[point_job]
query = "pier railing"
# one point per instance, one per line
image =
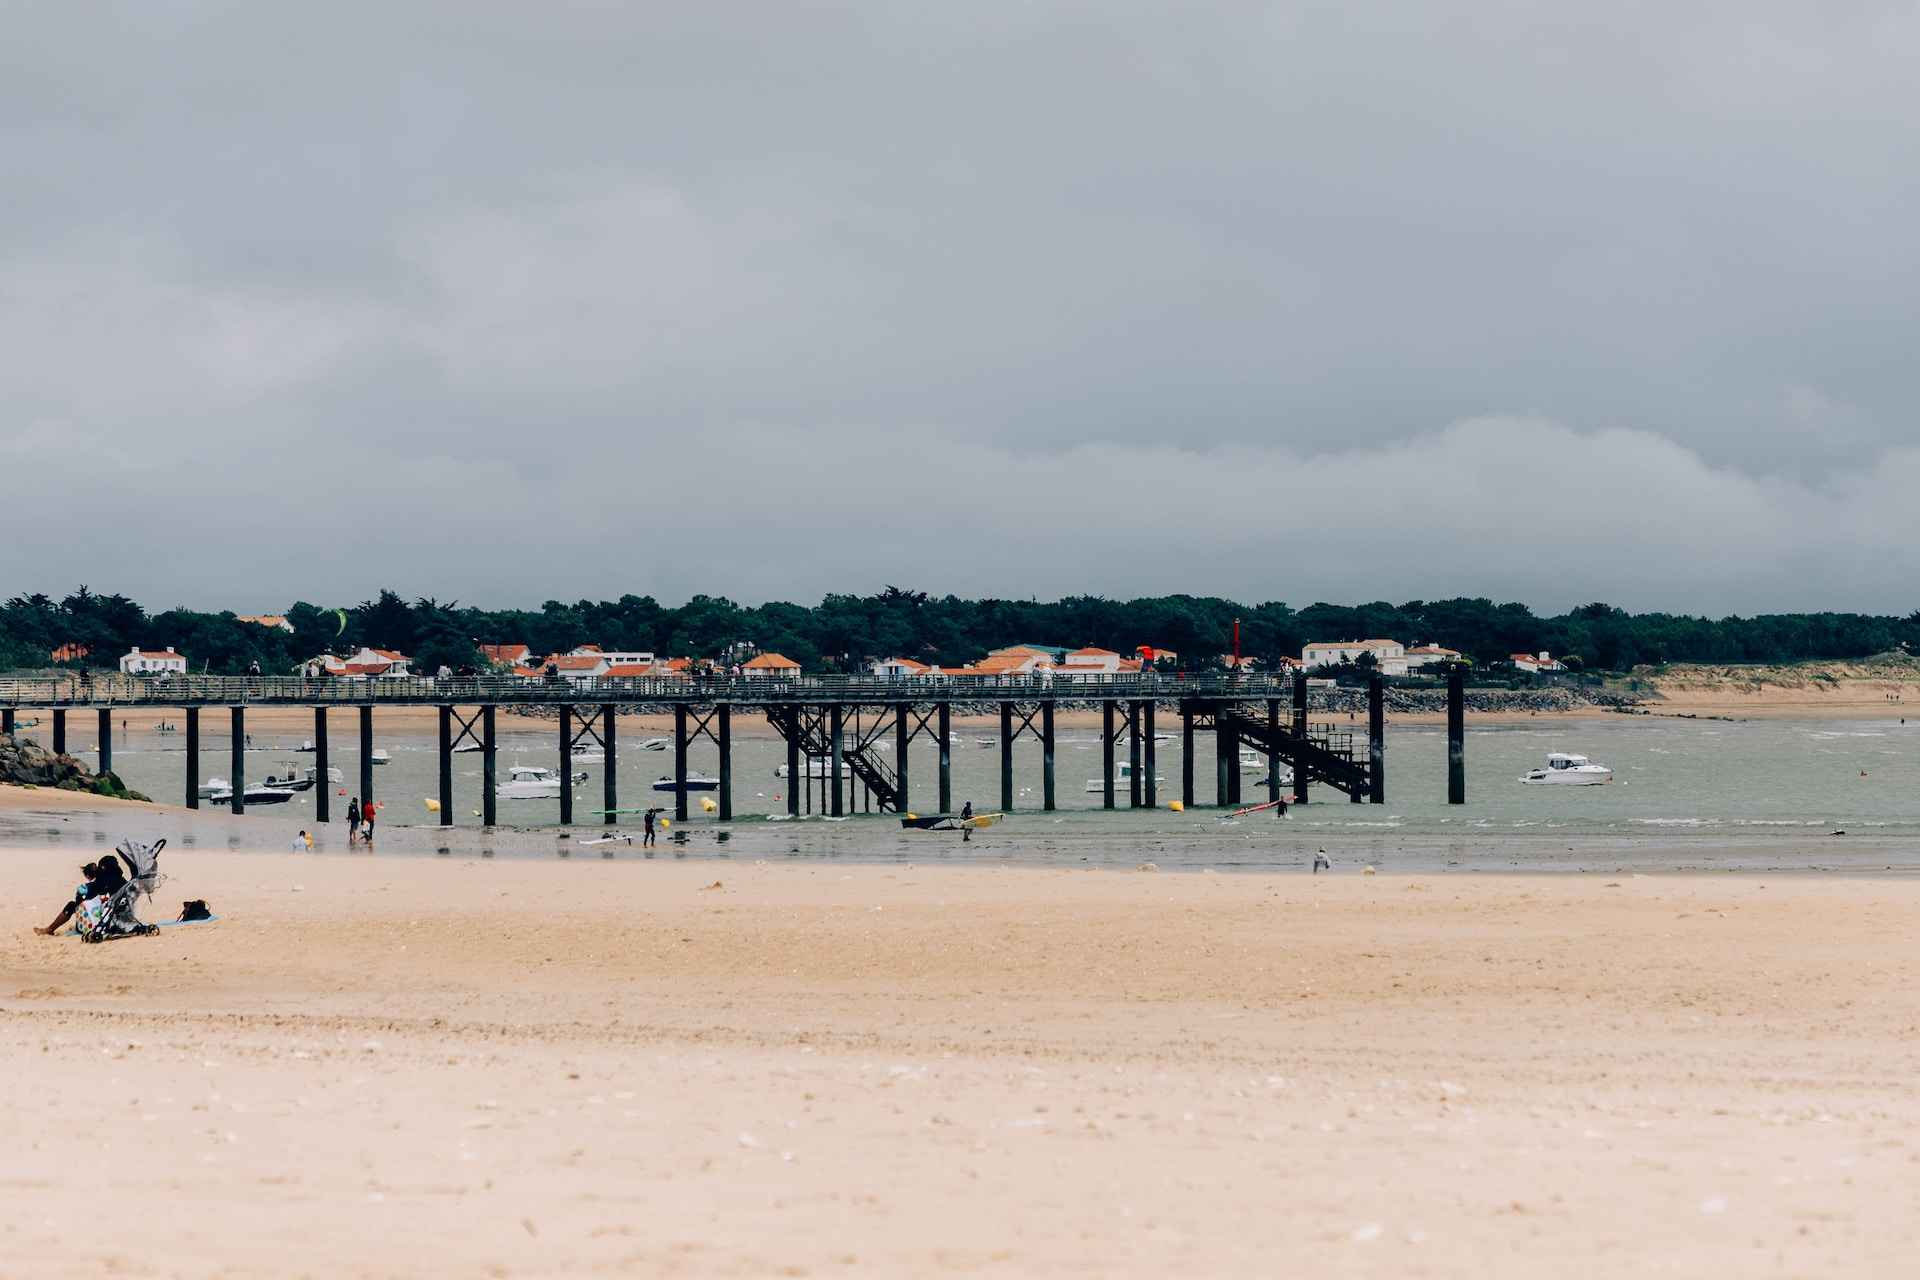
(202, 690)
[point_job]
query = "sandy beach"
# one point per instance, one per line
(388, 1066)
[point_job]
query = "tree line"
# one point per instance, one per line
(845, 632)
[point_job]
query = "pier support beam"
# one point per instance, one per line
(59, 731)
(1456, 736)
(566, 765)
(1006, 757)
(901, 738)
(1149, 785)
(1300, 732)
(837, 723)
(1106, 755)
(6, 722)
(446, 766)
(366, 756)
(724, 713)
(322, 786)
(679, 762)
(237, 750)
(1046, 757)
(193, 757)
(610, 784)
(1133, 756)
(945, 721)
(489, 767)
(1186, 755)
(1376, 741)
(106, 740)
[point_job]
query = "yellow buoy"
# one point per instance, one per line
(1176, 806)
(665, 823)
(707, 804)
(433, 806)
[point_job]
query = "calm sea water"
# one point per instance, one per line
(1687, 794)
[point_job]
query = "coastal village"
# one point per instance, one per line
(590, 662)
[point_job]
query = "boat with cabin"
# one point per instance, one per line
(1122, 780)
(1569, 771)
(532, 782)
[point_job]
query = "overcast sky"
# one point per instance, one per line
(509, 302)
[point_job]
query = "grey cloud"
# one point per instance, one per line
(502, 302)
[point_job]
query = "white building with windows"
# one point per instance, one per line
(1427, 655)
(1389, 656)
(152, 662)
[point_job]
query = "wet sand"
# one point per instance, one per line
(474, 1067)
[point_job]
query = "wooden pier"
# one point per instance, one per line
(835, 727)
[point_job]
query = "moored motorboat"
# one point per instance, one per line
(1569, 771)
(530, 782)
(254, 795)
(695, 782)
(380, 756)
(816, 767)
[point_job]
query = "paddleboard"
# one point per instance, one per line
(1253, 808)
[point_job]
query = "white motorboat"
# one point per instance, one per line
(1122, 780)
(293, 781)
(215, 786)
(695, 782)
(986, 742)
(306, 747)
(333, 774)
(466, 746)
(1570, 771)
(816, 767)
(654, 744)
(584, 753)
(254, 795)
(530, 782)
(380, 756)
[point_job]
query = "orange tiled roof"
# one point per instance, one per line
(770, 662)
(1092, 652)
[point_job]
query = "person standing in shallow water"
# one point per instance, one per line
(353, 821)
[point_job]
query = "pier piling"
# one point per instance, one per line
(193, 757)
(1186, 755)
(1456, 736)
(902, 738)
(366, 756)
(1223, 762)
(1046, 757)
(1273, 756)
(322, 782)
(724, 713)
(446, 766)
(489, 767)
(566, 765)
(59, 731)
(679, 762)
(796, 775)
(610, 783)
(944, 719)
(237, 750)
(106, 740)
(837, 726)
(1376, 740)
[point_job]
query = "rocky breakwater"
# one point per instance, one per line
(26, 763)
(1496, 701)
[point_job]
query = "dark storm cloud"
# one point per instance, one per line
(507, 302)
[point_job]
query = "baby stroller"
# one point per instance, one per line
(112, 916)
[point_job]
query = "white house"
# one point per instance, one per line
(1390, 656)
(1543, 661)
(622, 658)
(898, 668)
(1427, 655)
(1090, 662)
(148, 662)
(770, 666)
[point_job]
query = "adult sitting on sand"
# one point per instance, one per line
(102, 877)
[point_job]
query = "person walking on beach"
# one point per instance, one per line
(646, 839)
(966, 823)
(367, 812)
(353, 821)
